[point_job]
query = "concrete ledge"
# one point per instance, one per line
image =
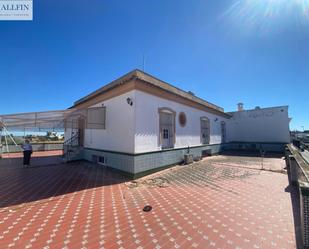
(304, 188)
(299, 172)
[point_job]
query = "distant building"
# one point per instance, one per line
(303, 136)
(267, 126)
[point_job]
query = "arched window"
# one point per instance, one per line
(167, 127)
(205, 130)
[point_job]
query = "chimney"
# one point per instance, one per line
(191, 93)
(240, 107)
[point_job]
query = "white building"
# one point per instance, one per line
(139, 123)
(260, 128)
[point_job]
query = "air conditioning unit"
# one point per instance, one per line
(188, 159)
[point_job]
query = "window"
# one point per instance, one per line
(165, 134)
(205, 130)
(96, 118)
(223, 132)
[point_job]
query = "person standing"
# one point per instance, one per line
(27, 147)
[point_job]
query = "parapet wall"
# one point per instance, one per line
(35, 147)
(299, 176)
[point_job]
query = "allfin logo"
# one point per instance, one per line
(16, 10)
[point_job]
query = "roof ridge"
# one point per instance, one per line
(150, 79)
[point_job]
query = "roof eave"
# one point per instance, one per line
(138, 74)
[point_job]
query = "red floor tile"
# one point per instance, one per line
(221, 202)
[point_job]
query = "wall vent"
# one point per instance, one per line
(99, 159)
(102, 160)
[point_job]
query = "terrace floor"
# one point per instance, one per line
(219, 202)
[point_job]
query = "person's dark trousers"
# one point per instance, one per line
(27, 156)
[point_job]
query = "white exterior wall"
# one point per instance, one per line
(147, 123)
(260, 125)
(118, 134)
(135, 129)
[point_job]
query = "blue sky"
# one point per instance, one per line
(225, 51)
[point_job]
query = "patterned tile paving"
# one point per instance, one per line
(220, 202)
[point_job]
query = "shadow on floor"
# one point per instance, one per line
(23, 185)
(294, 192)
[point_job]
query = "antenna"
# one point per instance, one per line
(143, 62)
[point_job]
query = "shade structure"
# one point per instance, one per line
(39, 121)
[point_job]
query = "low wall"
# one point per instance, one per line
(137, 165)
(257, 146)
(299, 176)
(148, 162)
(35, 147)
(140, 164)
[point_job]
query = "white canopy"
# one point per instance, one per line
(36, 121)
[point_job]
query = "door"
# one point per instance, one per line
(205, 130)
(167, 130)
(81, 131)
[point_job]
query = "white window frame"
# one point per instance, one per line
(202, 129)
(167, 110)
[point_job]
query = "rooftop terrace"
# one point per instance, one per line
(220, 202)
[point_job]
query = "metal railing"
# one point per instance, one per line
(70, 146)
